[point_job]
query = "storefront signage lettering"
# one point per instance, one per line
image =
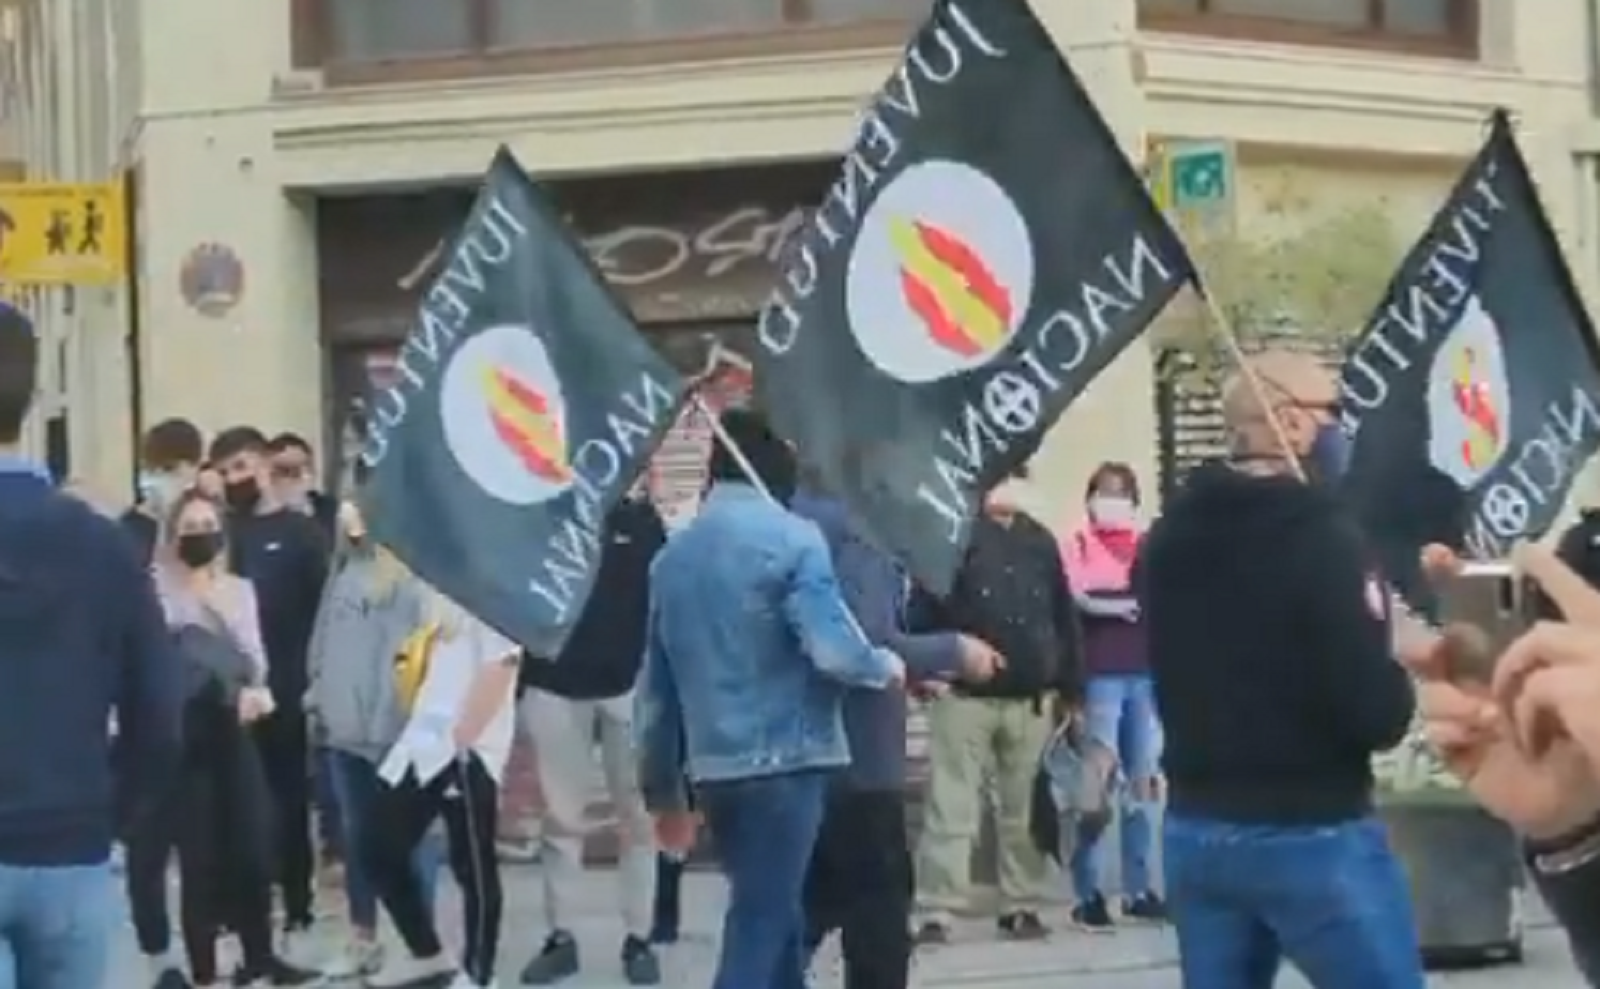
(639, 255)
(673, 272)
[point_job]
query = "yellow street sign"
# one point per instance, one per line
(60, 234)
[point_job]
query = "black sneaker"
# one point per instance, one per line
(1147, 908)
(1023, 925)
(275, 972)
(1093, 916)
(932, 933)
(557, 960)
(639, 963)
(172, 979)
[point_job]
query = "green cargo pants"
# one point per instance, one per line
(971, 741)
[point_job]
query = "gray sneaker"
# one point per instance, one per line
(639, 963)
(557, 960)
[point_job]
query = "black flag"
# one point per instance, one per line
(986, 251)
(1473, 396)
(525, 405)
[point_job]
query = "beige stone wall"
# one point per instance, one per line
(235, 145)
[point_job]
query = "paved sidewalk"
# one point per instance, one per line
(1133, 958)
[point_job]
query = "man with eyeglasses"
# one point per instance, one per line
(1271, 652)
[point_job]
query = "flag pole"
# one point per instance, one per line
(1224, 329)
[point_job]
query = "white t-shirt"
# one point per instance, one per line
(426, 745)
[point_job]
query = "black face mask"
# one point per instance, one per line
(199, 549)
(242, 495)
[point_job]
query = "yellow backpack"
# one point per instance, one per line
(411, 664)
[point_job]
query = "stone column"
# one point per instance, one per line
(1115, 418)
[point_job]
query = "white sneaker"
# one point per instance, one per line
(359, 958)
(463, 981)
(299, 947)
(400, 969)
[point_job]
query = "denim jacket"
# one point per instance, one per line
(749, 651)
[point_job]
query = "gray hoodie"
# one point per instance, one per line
(358, 633)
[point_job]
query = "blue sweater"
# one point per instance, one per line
(876, 590)
(81, 637)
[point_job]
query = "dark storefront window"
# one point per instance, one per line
(1423, 26)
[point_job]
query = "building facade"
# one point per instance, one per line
(297, 162)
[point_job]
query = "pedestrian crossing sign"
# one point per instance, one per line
(55, 233)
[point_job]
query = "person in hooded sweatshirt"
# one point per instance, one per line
(860, 880)
(372, 606)
(1269, 643)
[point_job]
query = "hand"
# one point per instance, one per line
(254, 704)
(676, 831)
(1542, 796)
(979, 660)
(1440, 561)
(897, 669)
(1570, 649)
(1521, 741)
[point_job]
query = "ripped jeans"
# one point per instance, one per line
(1121, 715)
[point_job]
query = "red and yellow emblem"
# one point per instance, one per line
(525, 422)
(1474, 400)
(950, 288)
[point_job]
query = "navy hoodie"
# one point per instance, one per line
(81, 637)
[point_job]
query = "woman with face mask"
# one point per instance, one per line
(371, 607)
(1120, 706)
(212, 814)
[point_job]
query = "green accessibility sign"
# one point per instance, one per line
(1200, 175)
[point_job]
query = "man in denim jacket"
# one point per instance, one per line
(749, 651)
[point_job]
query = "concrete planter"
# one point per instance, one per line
(1466, 877)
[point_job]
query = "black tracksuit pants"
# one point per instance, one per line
(860, 884)
(466, 796)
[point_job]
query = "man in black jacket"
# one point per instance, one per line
(1269, 645)
(282, 551)
(583, 695)
(1011, 593)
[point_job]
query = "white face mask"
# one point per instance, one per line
(160, 488)
(1113, 512)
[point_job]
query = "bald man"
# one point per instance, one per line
(1270, 650)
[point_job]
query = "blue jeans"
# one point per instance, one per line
(353, 781)
(1330, 899)
(764, 830)
(1121, 714)
(55, 926)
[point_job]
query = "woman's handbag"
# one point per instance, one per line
(1074, 791)
(411, 664)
